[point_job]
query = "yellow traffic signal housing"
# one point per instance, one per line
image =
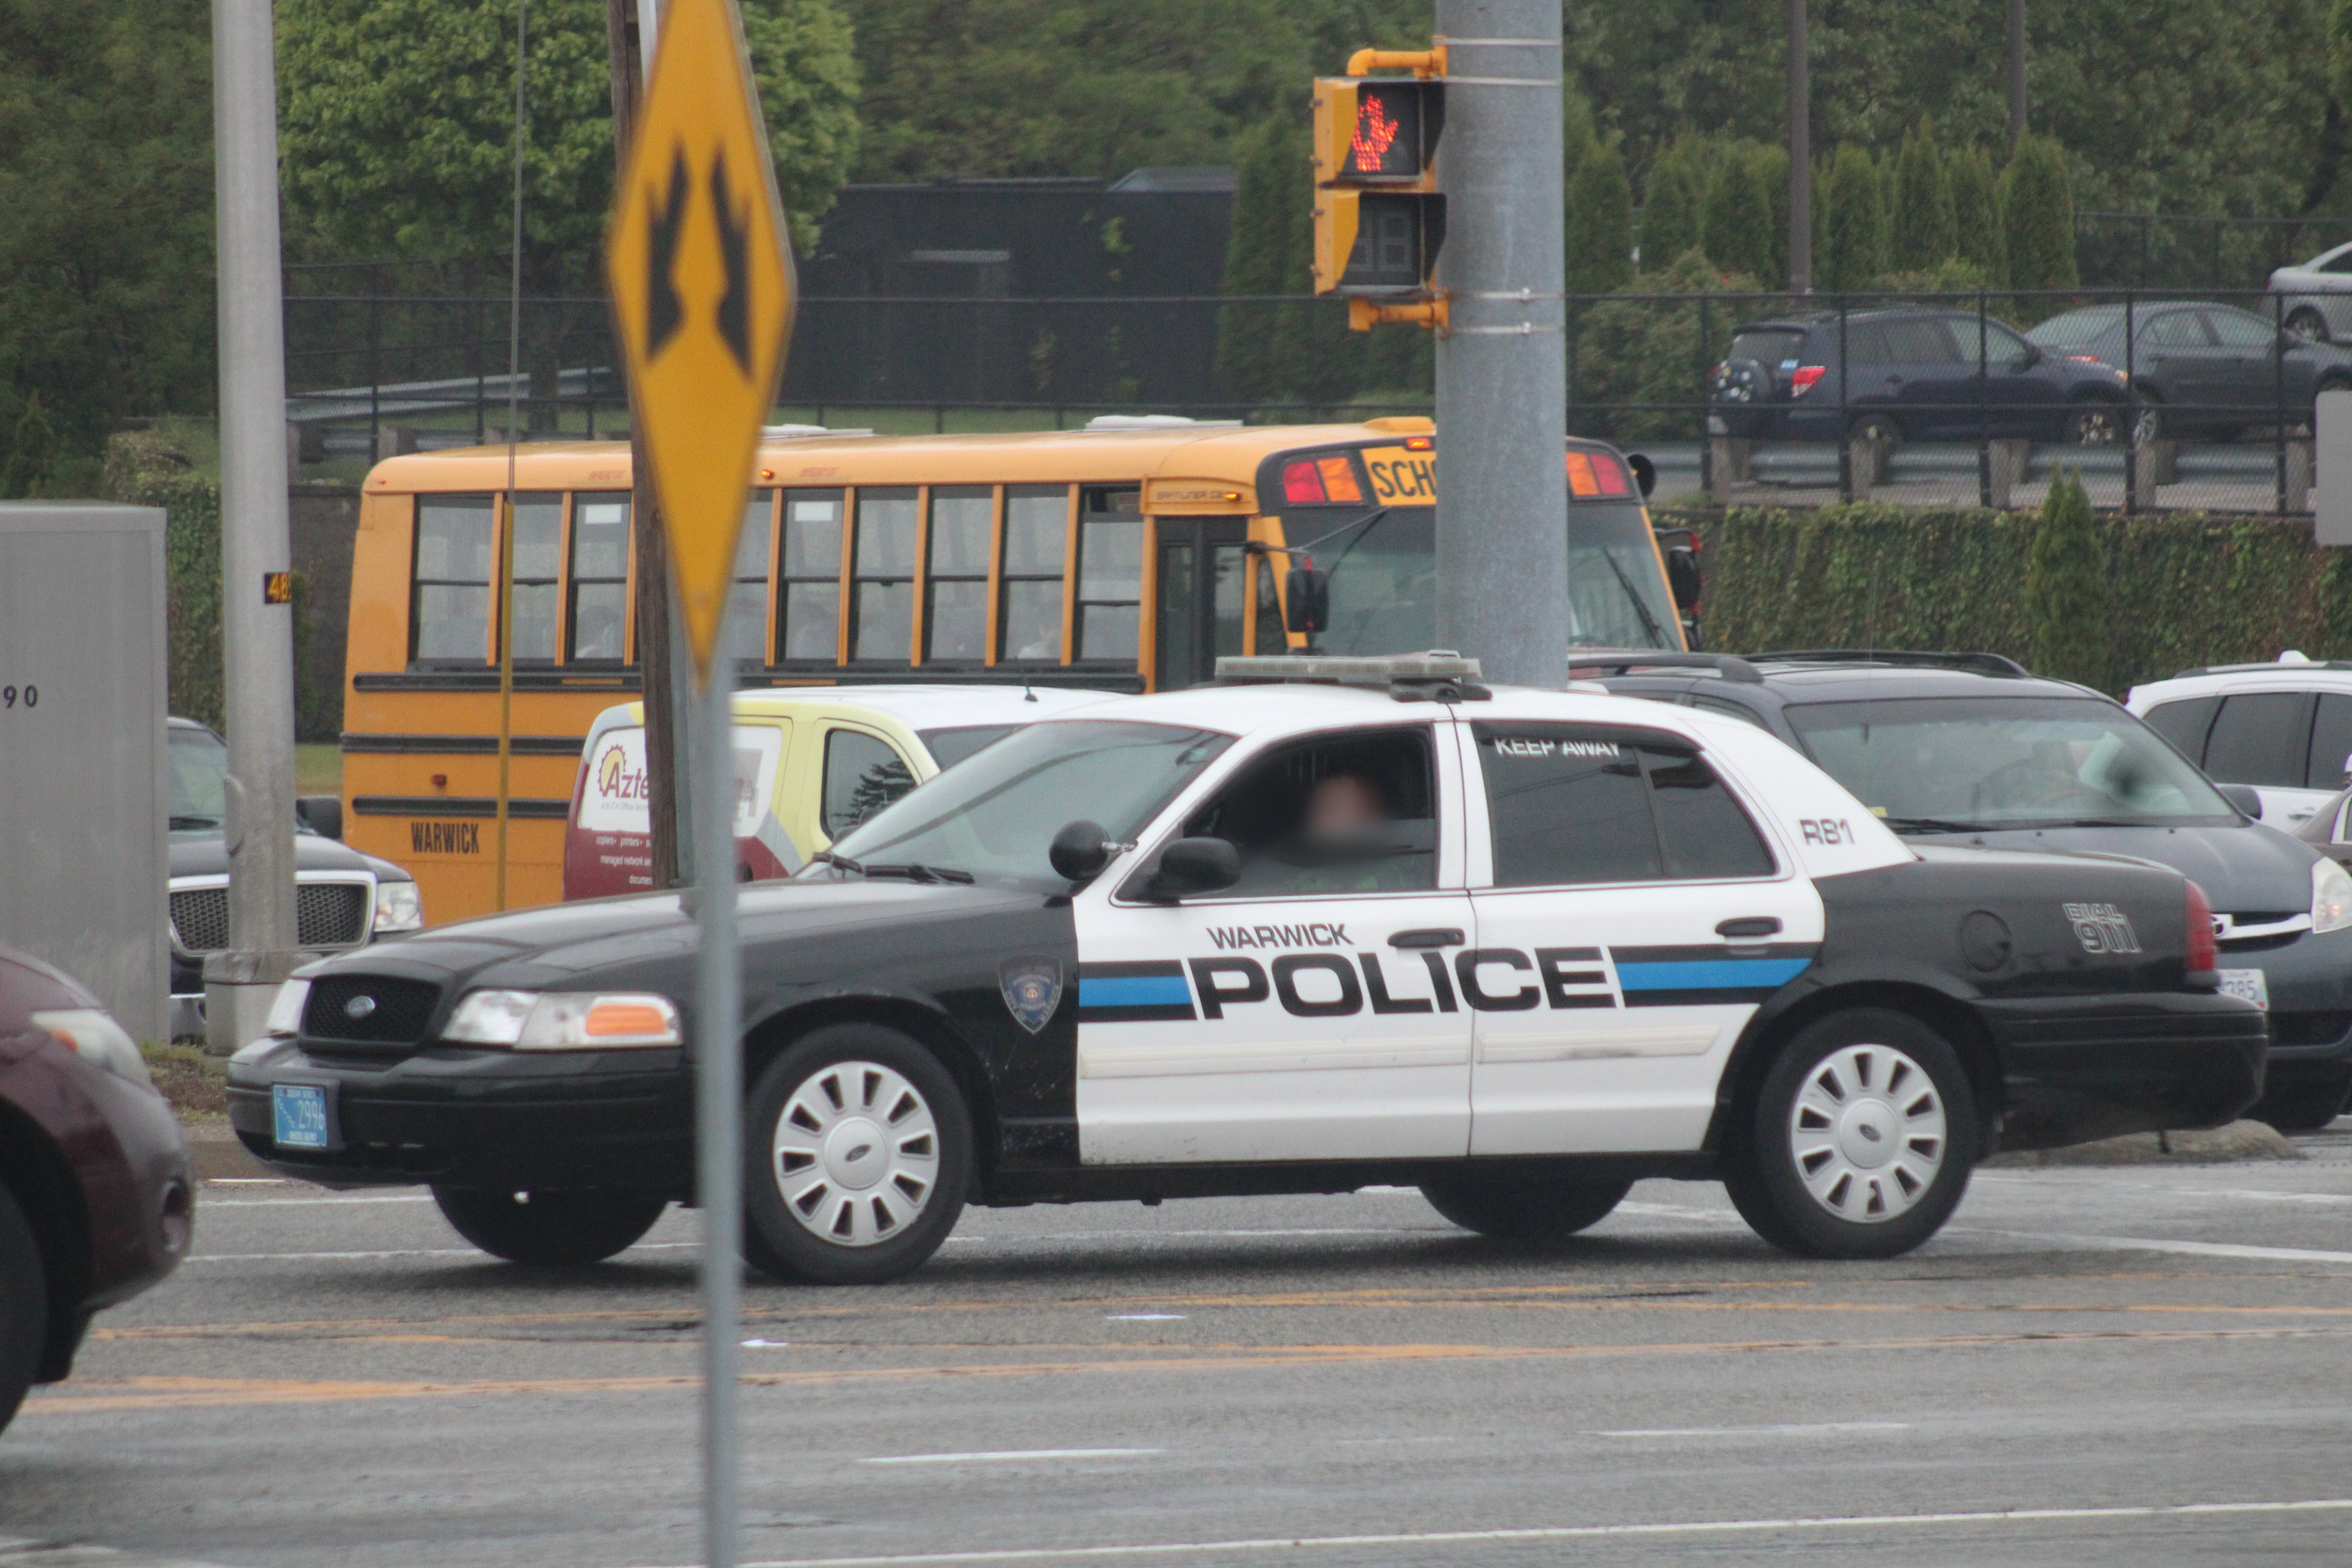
(1378, 219)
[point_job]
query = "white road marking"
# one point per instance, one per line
(399, 1252)
(1565, 1532)
(1683, 1211)
(1785, 1429)
(992, 1456)
(2184, 1248)
(767, 1344)
(1143, 1317)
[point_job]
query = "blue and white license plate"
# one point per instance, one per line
(300, 1114)
(2248, 983)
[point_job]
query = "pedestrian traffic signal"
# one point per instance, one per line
(1379, 218)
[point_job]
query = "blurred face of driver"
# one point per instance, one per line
(1342, 802)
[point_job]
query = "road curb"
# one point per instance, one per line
(217, 1154)
(2220, 1145)
(19, 1551)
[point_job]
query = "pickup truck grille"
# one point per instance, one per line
(325, 914)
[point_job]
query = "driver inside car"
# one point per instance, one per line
(1325, 819)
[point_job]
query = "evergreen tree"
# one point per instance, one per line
(1670, 202)
(1923, 236)
(1771, 165)
(2067, 589)
(1976, 211)
(2037, 216)
(1268, 184)
(1600, 223)
(32, 454)
(1849, 233)
(1737, 233)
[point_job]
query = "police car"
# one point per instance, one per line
(1365, 922)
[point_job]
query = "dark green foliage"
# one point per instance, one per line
(1600, 215)
(31, 458)
(2203, 590)
(2037, 216)
(2066, 588)
(1923, 233)
(1671, 201)
(1771, 165)
(1634, 349)
(105, 219)
(1737, 236)
(1976, 211)
(1849, 223)
(1271, 181)
(140, 468)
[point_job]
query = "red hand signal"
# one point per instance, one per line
(1375, 131)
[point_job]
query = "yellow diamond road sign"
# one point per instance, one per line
(702, 293)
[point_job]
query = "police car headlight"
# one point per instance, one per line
(286, 1012)
(2331, 896)
(98, 1040)
(398, 907)
(565, 1020)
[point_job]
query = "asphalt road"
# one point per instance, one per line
(2151, 1361)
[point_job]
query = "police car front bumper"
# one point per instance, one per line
(2083, 1068)
(462, 1117)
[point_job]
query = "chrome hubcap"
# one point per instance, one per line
(1867, 1133)
(855, 1153)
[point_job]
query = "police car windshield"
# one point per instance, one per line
(1965, 764)
(995, 815)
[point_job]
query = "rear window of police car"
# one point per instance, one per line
(1582, 802)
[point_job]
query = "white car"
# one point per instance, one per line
(2318, 296)
(2285, 729)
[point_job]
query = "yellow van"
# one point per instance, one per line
(811, 762)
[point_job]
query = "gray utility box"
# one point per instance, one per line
(83, 787)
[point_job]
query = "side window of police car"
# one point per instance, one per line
(1352, 813)
(862, 775)
(1573, 803)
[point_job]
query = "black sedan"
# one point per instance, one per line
(2209, 370)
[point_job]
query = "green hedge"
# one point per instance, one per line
(2183, 588)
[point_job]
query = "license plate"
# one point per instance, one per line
(301, 1115)
(2248, 983)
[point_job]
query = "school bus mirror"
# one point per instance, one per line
(1307, 600)
(1684, 576)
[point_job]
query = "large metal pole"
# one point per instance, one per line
(2016, 71)
(1800, 154)
(256, 636)
(718, 1105)
(1502, 372)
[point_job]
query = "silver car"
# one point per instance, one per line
(2318, 296)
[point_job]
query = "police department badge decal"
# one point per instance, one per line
(1033, 989)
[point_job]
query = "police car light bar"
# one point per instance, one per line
(1441, 674)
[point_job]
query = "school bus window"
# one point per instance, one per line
(884, 580)
(1110, 572)
(449, 618)
(747, 603)
(955, 618)
(808, 600)
(538, 552)
(600, 577)
(1036, 537)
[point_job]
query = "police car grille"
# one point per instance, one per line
(331, 914)
(200, 919)
(401, 1010)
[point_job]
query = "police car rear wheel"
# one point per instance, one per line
(549, 1230)
(1859, 1141)
(1515, 1206)
(859, 1147)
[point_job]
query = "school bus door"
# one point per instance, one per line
(1204, 602)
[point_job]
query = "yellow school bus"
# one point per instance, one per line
(1123, 556)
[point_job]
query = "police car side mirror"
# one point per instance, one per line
(1080, 850)
(1195, 866)
(1307, 601)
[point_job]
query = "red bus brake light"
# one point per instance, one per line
(1302, 484)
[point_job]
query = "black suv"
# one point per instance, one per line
(1907, 374)
(1971, 749)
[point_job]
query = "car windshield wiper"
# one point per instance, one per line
(192, 824)
(827, 858)
(915, 873)
(1934, 825)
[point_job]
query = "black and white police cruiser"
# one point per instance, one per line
(1330, 924)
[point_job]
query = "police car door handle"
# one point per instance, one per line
(1435, 936)
(1751, 926)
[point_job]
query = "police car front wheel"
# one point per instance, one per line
(858, 1145)
(1859, 1140)
(550, 1229)
(1520, 1205)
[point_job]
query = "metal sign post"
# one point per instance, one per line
(702, 298)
